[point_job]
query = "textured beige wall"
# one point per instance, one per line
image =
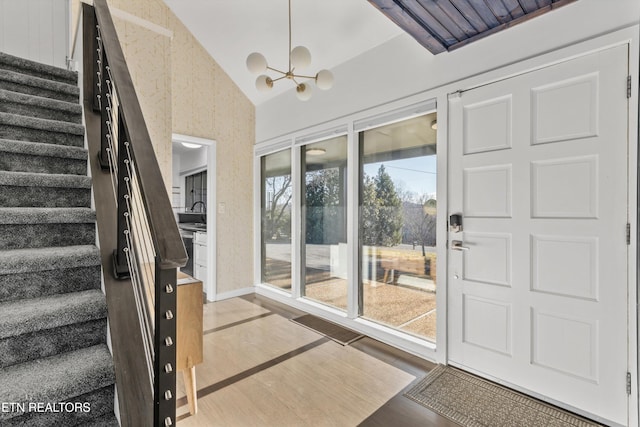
(148, 56)
(183, 90)
(206, 103)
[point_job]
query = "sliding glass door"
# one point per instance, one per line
(362, 208)
(398, 225)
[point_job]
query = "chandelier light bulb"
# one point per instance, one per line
(256, 63)
(324, 79)
(300, 57)
(303, 92)
(264, 83)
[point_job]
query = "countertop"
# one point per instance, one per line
(193, 226)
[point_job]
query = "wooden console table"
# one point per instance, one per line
(189, 334)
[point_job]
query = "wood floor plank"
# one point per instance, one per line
(262, 370)
(229, 311)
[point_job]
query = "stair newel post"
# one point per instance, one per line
(120, 266)
(164, 346)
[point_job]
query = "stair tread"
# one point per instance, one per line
(27, 179)
(38, 67)
(57, 378)
(29, 315)
(37, 82)
(108, 420)
(48, 125)
(43, 259)
(42, 149)
(39, 101)
(46, 215)
(53, 313)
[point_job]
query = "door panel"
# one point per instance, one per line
(487, 191)
(487, 324)
(538, 291)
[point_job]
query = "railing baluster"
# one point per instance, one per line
(97, 58)
(103, 91)
(146, 230)
(120, 268)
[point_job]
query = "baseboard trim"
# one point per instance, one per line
(232, 294)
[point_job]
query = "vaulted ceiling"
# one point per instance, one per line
(444, 25)
(336, 31)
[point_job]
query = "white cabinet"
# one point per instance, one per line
(200, 256)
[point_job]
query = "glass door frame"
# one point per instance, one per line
(352, 316)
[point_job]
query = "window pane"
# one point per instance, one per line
(276, 219)
(196, 191)
(398, 225)
(189, 191)
(324, 166)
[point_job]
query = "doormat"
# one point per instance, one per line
(475, 402)
(330, 330)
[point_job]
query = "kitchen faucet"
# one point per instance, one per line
(204, 206)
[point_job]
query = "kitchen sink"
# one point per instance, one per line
(189, 217)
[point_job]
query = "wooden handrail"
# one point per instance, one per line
(164, 230)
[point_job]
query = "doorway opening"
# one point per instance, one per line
(193, 199)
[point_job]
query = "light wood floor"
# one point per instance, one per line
(260, 369)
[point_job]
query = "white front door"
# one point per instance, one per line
(538, 293)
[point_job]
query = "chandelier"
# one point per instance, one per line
(299, 58)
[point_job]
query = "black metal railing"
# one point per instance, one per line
(149, 248)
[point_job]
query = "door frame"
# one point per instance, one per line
(628, 37)
(211, 287)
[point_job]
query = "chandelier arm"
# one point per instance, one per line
(279, 78)
(303, 77)
(276, 70)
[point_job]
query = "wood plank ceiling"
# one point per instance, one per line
(445, 25)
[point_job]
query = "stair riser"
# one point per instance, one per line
(49, 342)
(40, 112)
(58, 77)
(21, 236)
(19, 133)
(44, 197)
(44, 283)
(38, 91)
(100, 403)
(18, 162)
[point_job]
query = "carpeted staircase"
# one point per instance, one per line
(53, 314)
